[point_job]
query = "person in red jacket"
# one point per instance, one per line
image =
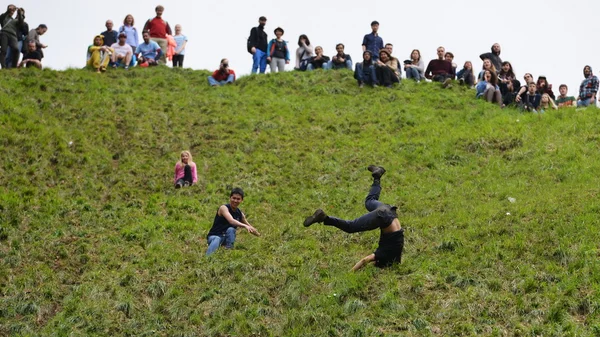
(159, 29)
(223, 75)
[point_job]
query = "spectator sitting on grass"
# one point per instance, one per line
(185, 171)
(414, 67)
(588, 88)
(99, 55)
(508, 82)
(439, 70)
(223, 75)
(563, 100)
(465, 75)
(543, 87)
(340, 60)
(319, 60)
(150, 52)
(278, 54)
(488, 88)
(35, 34)
(530, 100)
(364, 71)
(487, 65)
(123, 54)
(32, 58)
(450, 58)
(110, 36)
(546, 102)
(228, 218)
(386, 69)
(390, 48)
(528, 78)
(304, 53)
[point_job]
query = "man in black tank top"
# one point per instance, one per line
(228, 218)
(382, 216)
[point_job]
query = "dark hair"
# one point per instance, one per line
(340, 44)
(510, 71)
(238, 191)
(415, 50)
(494, 77)
(374, 23)
(42, 26)
(449, 53)
(563, 85)
(262, 18)
(159, 7)
(278, 29)
(305, 37)
(388, 44)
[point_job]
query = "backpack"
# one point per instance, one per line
(249, 43)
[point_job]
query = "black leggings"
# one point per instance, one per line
(178, 61)
(386, 76)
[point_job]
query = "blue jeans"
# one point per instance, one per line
(226, 239)
(347, 65)
(311, 67)
(213, 82)
(259, 59)
(365, 75)
(9, 56)
(585, 102)
(380, 215)
(413, 72)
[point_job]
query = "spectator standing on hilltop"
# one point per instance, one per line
(8, 34)
(563, 100)
(465, 75)
(381, 216)
(439, 70)
(493, 56)
(99, 54)
(414, 66)
(228, 218)
(365, 71)
(123, 54)
(588, 88)
(110, 36)
(158, 29)
(340, 60)
(304, 53)
(257, 46)
(278, 52)
(185, 171)
(372, 41)
(32, 58)
(22, 43)
(223, 75)
(130, 31)
(319, 60)
(543, 87)
(180, 49)
(150, 52)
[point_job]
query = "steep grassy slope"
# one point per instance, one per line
(95, 241)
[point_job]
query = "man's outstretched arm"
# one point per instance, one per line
(365, 260)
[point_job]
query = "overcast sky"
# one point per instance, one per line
(552, 38)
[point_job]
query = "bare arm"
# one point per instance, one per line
(224, 212)
(365, 260)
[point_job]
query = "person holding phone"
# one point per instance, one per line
(223, 75)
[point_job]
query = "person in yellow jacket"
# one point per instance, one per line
(99, 54)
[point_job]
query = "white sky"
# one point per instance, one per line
(552, 38)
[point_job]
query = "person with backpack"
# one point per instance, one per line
(159, 29)
(279, 54)
(257, 46)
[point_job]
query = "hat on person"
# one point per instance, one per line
(541, 76)
(122, 34)
(375, 23)
(278, 29)
(385, 51)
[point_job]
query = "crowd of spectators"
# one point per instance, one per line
(16, 38)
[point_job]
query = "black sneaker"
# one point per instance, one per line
(461, 81)
(318, 216)
(178, 185)
(376, 171)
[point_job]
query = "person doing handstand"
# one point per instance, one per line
(382, 216)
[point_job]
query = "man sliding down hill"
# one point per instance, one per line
(382, 216)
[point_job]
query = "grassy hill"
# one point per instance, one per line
(500, 208)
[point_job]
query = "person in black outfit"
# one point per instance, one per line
(257, 46)
(227, 219)
(32, 58)
(382, 216)
(11, 28)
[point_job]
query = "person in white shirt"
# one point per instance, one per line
(123, 52)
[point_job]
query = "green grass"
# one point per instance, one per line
(95, 241)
